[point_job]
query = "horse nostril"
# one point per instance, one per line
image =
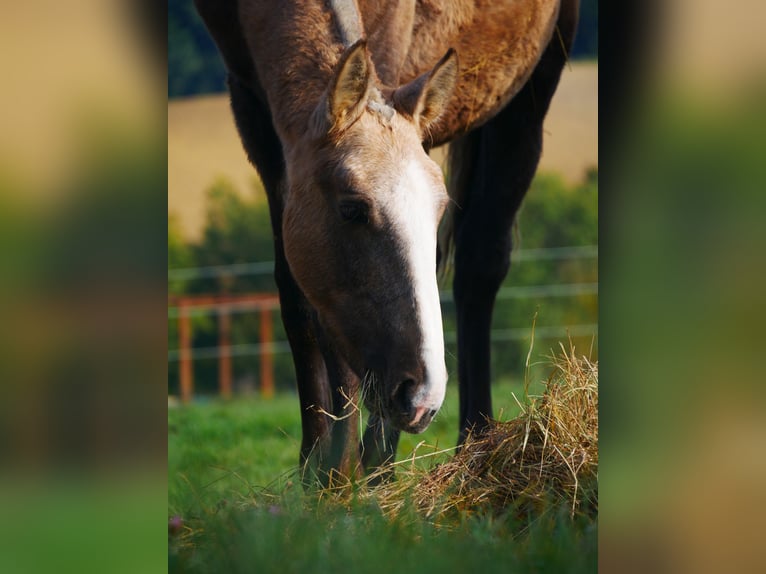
(432, 413)
(403, 394)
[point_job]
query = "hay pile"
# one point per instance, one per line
(549, 453)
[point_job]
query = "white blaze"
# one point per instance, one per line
(415, 212)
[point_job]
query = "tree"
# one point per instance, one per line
(194, 65)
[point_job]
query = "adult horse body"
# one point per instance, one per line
(337, 103)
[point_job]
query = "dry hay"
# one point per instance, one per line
(549, 453)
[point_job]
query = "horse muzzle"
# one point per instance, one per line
(413, 405)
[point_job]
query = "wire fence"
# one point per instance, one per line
(497, 335)
(267, 267)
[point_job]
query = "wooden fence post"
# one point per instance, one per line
(267, 353)
(224, 360)
(185, 339)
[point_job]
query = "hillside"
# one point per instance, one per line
(203, 143)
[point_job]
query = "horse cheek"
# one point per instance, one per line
(305, 245)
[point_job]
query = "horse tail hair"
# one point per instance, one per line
(461, 162)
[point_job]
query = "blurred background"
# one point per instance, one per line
(682, 277)
(87, 343)
(82, 290)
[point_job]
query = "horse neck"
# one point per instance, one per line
(295, 49)
(498, 46)
(397, 29)
(388, 27)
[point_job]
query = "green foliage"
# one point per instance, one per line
(194, 66)
(552, 215)
(237, 230)
(687, 262)
(179, 254)
(555, 215)
(586, 39)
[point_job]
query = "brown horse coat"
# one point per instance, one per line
(315, 109)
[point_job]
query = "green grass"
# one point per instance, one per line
(233, 480)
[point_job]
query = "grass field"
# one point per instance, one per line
(233, 483)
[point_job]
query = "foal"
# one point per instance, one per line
(337, 104)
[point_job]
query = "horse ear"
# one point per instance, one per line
(425, 98)
(349, 87)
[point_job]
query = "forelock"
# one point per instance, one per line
(378, 106)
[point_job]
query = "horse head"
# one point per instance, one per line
(362, 208)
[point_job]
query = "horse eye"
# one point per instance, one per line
(354, 211)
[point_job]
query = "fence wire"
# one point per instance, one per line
(450, 337)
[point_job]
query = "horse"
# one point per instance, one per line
(337, 104)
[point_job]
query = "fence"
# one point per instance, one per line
(187, 306)
(183, 308)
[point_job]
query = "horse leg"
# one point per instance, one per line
(264, 151)
(310, 371)
(492, 168)
(380, 439)
(482, 247)
(342, 460)
(379, 448)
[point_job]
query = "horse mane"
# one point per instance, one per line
(348, 19)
